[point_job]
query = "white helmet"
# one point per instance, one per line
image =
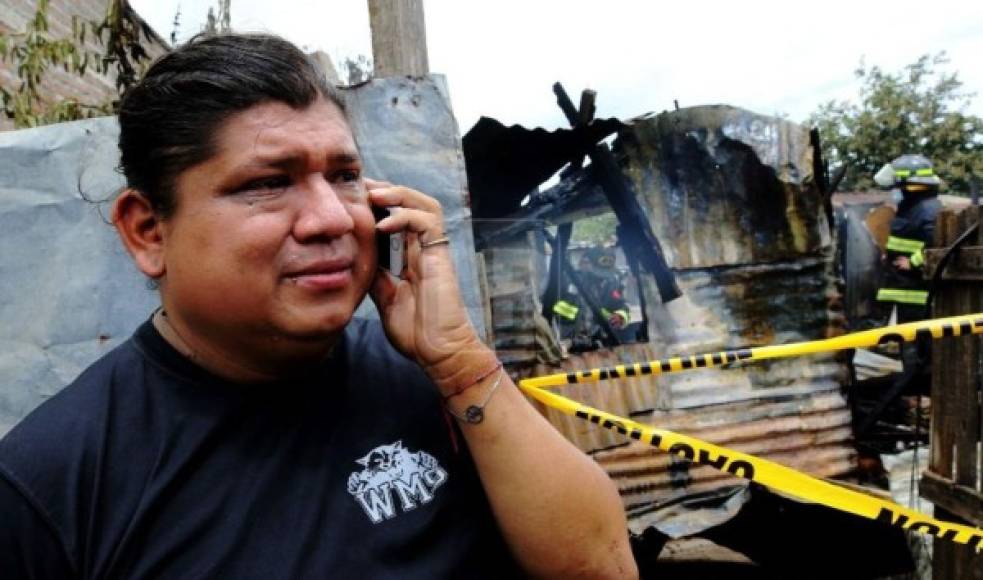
(910, 173)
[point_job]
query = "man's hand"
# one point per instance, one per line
(531, 474)
(422, 311)
(902, 263)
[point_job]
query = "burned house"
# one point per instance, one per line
(725, 233)
(740, 215)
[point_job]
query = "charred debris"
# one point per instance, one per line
(724, 239)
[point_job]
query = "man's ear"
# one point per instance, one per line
(141, 230)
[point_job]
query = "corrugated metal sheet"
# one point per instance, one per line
(732, 198)
(725, 187)
(803, 424)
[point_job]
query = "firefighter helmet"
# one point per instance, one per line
(910, 173)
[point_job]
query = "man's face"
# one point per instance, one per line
(272, 237)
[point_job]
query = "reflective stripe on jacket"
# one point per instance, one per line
(903, 296)
(904, 245)
(566, 310)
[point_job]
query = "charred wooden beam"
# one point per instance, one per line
(554, 283)
(587, 107)
(641, 239)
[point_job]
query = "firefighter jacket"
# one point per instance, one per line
(912, 230)
(573, 312)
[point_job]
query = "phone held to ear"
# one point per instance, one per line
(389, 246)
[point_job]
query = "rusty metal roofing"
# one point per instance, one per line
(732, 198)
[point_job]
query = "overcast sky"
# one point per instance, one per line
(501, 58)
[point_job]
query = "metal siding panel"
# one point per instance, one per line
(732, 198)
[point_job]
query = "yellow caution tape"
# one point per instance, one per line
(936, 328)
(763, 471)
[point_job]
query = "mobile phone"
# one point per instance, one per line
(389, 246)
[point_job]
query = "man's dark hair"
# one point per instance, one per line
(169, 119)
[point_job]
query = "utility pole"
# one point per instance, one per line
(399, 38)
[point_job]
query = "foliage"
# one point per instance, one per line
(120, 34)
(33, 51)
(598, 230)
(917, 110)
(176, 25)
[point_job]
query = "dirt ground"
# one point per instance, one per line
(699, 559)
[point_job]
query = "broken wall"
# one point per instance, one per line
(732, 197)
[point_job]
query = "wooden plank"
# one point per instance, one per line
(587, 107)
(976, 342)
(962, 501)
(966, 264)
(399, 38)
(943, 558)
(956, 425)
(942, 436)
(968, 409)
(974, 215)
(952, 561)
(966, 354)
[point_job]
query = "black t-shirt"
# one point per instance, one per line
(149, 467)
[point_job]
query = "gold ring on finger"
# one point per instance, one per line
(437, 242)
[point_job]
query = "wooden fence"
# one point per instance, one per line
(952, 481)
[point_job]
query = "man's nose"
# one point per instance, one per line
(323, 212)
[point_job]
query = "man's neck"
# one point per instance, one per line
(233, 362)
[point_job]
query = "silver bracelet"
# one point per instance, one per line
(475, 414)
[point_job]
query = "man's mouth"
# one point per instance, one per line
(323, 275)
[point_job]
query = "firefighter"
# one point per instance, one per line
(912, 230)
(597, 273)
(903, 287)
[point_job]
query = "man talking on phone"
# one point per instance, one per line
(252, 428)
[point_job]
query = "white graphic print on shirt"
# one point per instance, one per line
(393, 473)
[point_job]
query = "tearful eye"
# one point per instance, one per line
(265, 184)
(346, 176)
